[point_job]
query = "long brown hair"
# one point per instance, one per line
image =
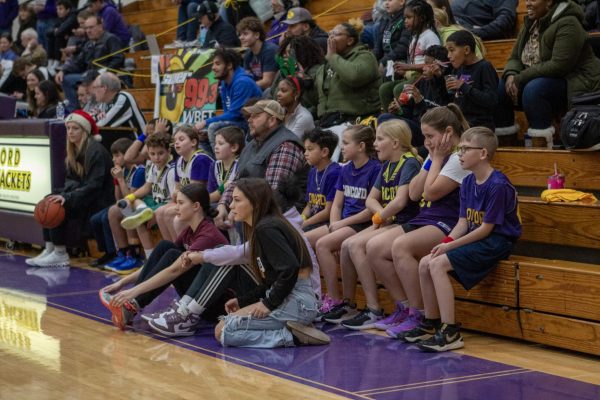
(260, 195)
(439, 118)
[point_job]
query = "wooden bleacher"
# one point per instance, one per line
(537, 295)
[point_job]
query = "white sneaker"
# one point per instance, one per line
(54, 259)
(33, 261)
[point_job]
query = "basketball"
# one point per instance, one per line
(49, 214)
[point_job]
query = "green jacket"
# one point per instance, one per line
(564, 52)
(349, 84)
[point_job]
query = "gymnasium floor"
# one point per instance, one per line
(56, 342)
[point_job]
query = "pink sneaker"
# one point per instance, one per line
(395, 318)
(412, 321)
(327, 304)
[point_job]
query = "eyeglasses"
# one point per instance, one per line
(464, 149)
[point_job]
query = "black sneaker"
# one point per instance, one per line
(99, 262)
(446, 338)
(340, 312)
(366, 319)
(425, 330)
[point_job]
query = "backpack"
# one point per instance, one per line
(580, 127)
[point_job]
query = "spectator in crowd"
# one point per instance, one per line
(550, 63)
(59, 34)
(112, 20)
(88, 188)
(33, 49)
(15, 84)
(304, 56)
(27, 19)
(120, 107)
(591, 14)
(235, 89)
(8, 12)
(186, 10)
(488, 19)
(47, 98)
(259, 58)
(278, 27)
(46, 17)
(393, 39)
(218, 31)
(445, 29)
(78, 37)
(85, 95)
(234, 11)
(297, 118)
(445, 6)
(34, 78)
(274, 153)
(99, 43)
(348, 84)
(6, 52)
(301, 23)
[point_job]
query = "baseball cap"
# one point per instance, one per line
(297, 15)
(269, 106)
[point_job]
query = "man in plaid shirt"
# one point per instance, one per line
(274, 153)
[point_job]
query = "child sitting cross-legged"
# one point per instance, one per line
(486, 232)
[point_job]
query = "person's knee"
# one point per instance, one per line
(348, 246)
(424, 266)
(438, 266)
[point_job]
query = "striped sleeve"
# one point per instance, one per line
(124, 111)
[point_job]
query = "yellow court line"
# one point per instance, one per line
(51, 296)
(443, 380)
(221, 355)
(457, 381)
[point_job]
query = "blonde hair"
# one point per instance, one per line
(482, 137)
(73, 152)
(439, 118)
(396, 129)
(441, 16)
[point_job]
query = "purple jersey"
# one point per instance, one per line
(493, 202)
(197, 169)
(443, 213)
(391, 177)
(320, 187)
(356, 183)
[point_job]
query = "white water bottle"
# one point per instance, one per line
(60, 110)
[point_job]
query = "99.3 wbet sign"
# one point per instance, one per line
(24, 172)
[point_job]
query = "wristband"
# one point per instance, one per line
(141, 138)
(376, 219)
(447, 239)
(130, 197)
(427, 165)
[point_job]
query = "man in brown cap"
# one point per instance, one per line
(274, 153)
(300, 23)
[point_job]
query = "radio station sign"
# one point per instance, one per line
(24, 172)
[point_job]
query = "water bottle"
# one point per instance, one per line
(60, 110)
(528, 140)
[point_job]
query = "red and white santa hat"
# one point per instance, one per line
(86, 121)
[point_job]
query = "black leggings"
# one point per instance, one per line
(165, 254)
(213, 282)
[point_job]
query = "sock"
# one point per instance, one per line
(49, 246)
(132, 251)
(195, 308)
(404, 303)
(185, 299)
(122, 250)
(141, 206)
(148, 253)
(60, 249)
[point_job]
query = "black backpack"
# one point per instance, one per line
(580, 127)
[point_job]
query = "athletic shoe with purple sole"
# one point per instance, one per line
(412, 321)
(395, 318)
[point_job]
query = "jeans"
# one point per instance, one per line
(541, 99)
(162, 257)
(70, 88)
(102, 232)
(191, 29)
(42, 27)
(244, 331)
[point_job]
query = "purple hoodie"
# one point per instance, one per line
(114, 23)
(49, 11)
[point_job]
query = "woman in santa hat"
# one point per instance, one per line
(88, 186)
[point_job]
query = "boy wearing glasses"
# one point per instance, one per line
(486, 232)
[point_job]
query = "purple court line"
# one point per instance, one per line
(346, 367)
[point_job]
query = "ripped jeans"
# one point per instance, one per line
(270, 332)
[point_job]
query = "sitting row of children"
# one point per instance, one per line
(436, 226)
(409, 224)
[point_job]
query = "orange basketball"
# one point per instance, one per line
(49, 214)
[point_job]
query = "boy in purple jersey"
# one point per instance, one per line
(319, 145)
(488, 227)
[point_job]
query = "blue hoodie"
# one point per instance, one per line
(234, 96)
